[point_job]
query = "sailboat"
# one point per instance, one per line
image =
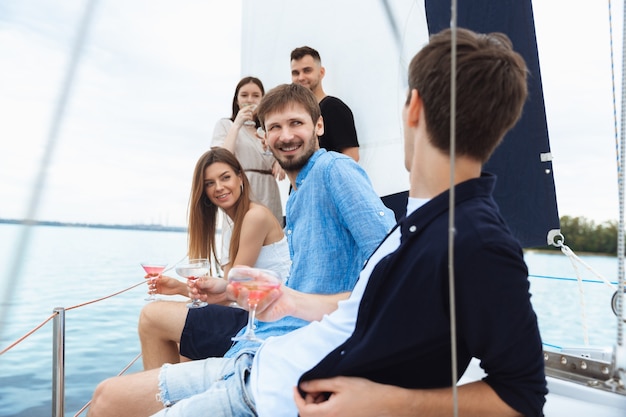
(369, 73)
(368, 45)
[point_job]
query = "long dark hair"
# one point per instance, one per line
(202, 213)
(244, 81)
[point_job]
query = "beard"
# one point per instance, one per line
(296, 163)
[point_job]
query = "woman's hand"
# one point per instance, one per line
(209, 289)
(246, 113)
(169, 286)
(277, 171)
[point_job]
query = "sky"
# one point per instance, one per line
(154, 76)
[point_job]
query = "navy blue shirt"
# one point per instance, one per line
(402, 334)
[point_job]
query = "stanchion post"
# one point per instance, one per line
(58, 362)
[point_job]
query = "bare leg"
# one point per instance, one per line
(127, 395)
(160, 326)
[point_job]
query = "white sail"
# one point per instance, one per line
(365, 63)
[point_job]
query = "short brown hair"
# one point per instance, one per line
(490, 91)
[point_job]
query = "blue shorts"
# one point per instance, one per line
(216, 387)
(208, 330)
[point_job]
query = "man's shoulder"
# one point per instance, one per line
(331, 159)
(332, 102)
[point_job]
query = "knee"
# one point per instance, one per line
(102, 396)
(148, 319)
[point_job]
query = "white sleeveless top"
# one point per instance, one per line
(274, 256)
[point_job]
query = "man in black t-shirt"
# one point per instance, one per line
(339, 130)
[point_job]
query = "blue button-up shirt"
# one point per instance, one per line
(335, 221)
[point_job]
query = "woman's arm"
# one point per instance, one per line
(230, 140)
(257, 225)
(170, 286)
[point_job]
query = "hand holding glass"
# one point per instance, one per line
(252, 109)
(153, 270)
(258, 282)
(193, 270)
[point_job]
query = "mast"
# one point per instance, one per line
(620, 350)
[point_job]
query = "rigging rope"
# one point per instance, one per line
(575, 260)
(18, 341)
(84, 407)
(40, 325)
(581, 292)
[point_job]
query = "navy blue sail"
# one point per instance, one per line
(525, 188)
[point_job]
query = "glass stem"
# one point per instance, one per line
(251, 316)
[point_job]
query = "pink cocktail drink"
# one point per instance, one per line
(258, 282)
(153, 270)
(257, 290)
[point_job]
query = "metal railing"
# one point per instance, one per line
(58, 351)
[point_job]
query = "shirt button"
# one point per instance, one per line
(289, 231)
(412, 229)
(343, 352)
(381, 213)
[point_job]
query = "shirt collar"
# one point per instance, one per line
(423, 215)
(307, 168)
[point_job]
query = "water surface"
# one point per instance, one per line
(66, 266)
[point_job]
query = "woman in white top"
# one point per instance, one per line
(219, 182)
(238, 134)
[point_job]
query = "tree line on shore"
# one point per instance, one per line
(584, 235)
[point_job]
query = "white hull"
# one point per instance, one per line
(569, 399)
(566, 398)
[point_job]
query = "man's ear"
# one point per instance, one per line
(414, 108)
(319, 127)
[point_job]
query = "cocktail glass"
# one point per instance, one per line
(153, 270)
(259, 282)
(193, 270)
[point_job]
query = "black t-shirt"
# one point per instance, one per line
(339, 129)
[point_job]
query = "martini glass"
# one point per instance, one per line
(259, 282)
(153, 270)
(193, 270)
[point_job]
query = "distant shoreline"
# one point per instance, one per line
(149, 227)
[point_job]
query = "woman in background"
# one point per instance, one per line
(238, 134)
